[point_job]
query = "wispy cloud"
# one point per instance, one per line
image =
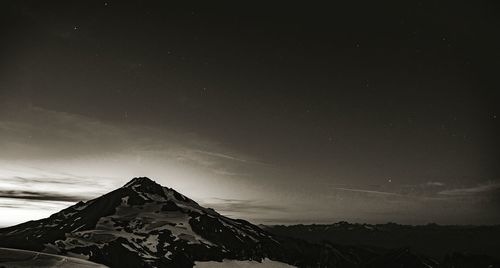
(434, 183)
(41, 150)
(44, 196)
(228, 157)
(479, 189)
(229, 206)
(367, 191)
(38, 133)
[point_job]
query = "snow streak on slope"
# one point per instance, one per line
(266, 263)
(10, 257)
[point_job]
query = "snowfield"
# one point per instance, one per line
(10, 257)
(266, 263)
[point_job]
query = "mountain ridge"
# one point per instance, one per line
(148, 225)
(432, 239)
(143, 224)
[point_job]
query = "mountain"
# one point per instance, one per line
(143, 224)
(453, 245)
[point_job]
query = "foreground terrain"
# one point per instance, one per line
(24, 258)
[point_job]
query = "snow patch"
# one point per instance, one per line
(266, 263)
(168, 254)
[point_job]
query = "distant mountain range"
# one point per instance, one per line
(143, 224)
(436, 241)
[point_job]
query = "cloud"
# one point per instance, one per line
(228, 157)
(479, 189)
(367, 191)
(43, 187)
(46, 196)
(37, 133)
(16, 211)
(225, 172)
(434, 183)
(41, 150)
(239, 206)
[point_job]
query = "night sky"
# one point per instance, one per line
(275, 113)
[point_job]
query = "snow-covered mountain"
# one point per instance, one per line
(143, 224)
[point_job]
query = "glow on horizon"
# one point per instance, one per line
(15, 211)
(55, 178)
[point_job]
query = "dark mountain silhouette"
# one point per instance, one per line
(453, 245)
(143, 224)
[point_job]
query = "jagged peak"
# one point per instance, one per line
(140, 181)
(145, 185)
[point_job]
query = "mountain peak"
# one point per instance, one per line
(144, 184)
(147, 185)
(140, 181)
